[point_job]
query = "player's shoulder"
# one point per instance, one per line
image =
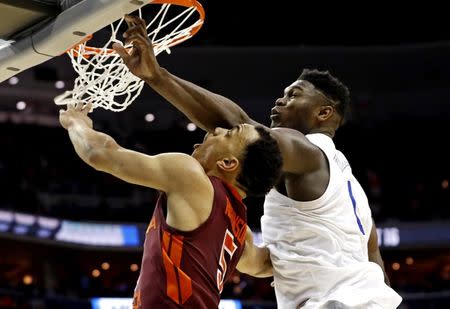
(179, 157)
(186, 175)
(182, 164)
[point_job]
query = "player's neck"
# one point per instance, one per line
(324, 130)
(230, 180)
(241, 191)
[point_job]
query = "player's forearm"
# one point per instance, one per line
(88, 143)
(256, 262)
(374, 251)
(265, 268)
(206, 109)
(376, 258)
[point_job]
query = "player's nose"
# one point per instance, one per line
(280, 102)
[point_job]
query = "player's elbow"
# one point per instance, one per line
(96, 158)
(100, 154)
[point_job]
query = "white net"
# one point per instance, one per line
(104, 80)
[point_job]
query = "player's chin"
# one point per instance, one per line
(275, 124)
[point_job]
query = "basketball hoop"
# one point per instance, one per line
(104, 80)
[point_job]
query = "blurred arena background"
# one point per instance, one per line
(71, 236)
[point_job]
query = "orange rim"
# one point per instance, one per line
(185, 3)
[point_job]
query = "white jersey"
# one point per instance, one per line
(319, 248)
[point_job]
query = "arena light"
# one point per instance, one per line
(59, 84)
(27, 279)
(395, 266)
(149, 117)
(409, 260)
(95, 273)
(105, 265)
(21, 105)
(191, 127)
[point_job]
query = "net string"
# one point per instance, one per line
(103, 78)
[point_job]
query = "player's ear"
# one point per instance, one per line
(228, 164)
(325, 112)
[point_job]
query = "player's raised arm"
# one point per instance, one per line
(206, 109)
(163, 172)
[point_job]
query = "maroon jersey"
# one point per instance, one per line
(188, 269)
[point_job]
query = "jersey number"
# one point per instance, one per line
(230, 247)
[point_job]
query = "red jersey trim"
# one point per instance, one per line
(178, 283)
(233, 191)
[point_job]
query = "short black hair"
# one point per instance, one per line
(261, 164)
(330, 87)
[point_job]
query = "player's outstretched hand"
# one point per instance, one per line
(140, 59)
(75, 113)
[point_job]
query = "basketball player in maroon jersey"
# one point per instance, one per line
(198, 234)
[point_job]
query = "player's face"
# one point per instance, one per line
(223, 142)
(296, 109)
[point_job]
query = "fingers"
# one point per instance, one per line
(141, 28)
(133, 32)
(78, 106)
(87, 108)
(142, 25)
(136, 35)
(140, 45)
(129, 19)
(70, 106)
(135, 25)
(121, 51)
(132, 20)
(138, 39)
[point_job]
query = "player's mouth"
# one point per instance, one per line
(274, 113)
(272, 116)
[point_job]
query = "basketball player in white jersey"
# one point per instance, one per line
(317, 223)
